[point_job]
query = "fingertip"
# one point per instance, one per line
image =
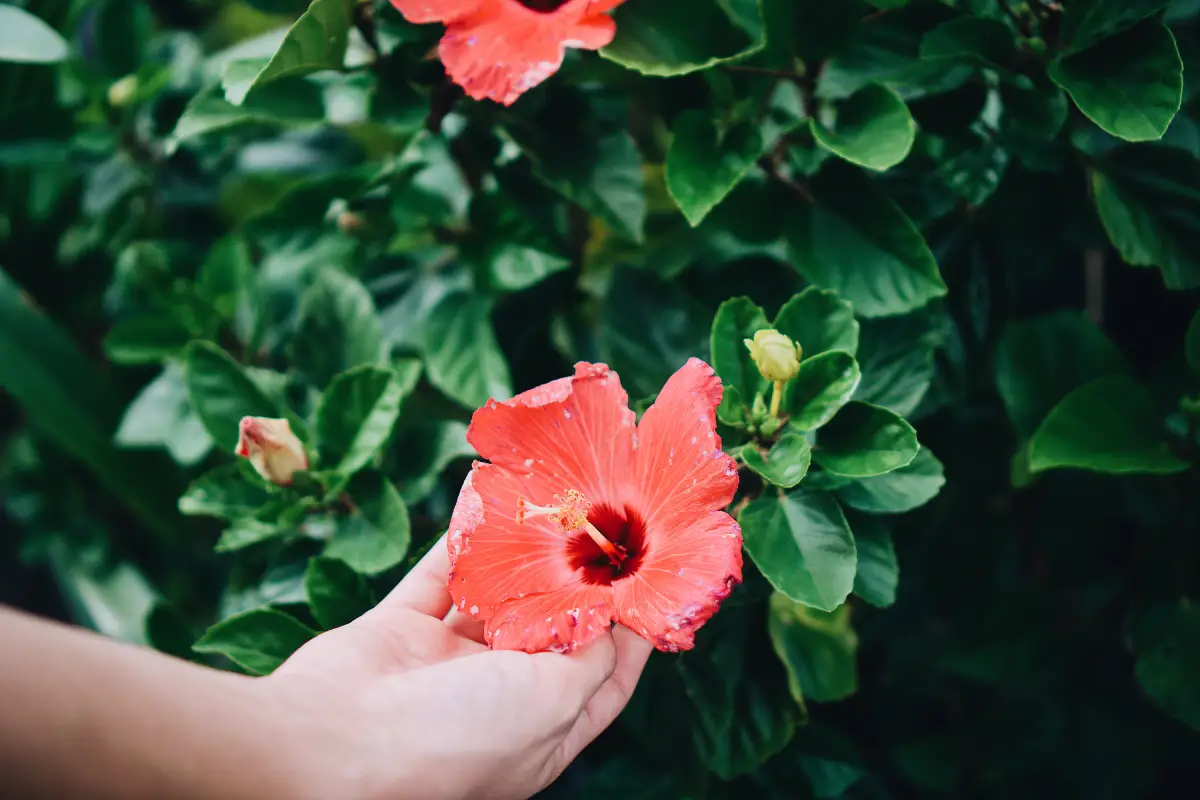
(586, 669)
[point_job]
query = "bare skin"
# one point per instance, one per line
(404, 702)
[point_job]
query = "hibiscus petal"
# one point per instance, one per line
(504, 49)
(493, 558)
(560, 622)
(576, 433)
(681, 582)
(681, 470)
(420, 12)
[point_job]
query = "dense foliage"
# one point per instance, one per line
(980, 220)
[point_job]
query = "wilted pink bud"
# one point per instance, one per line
(272, 448)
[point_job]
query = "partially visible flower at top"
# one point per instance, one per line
(272, 448)
(583, 518)
(776, 356)
(499, 49)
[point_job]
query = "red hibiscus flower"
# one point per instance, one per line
(582, 518)
(499, 49)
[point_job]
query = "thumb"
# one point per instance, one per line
(578, 676)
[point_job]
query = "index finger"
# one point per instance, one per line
(424, 588)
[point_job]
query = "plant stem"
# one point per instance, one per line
(777, 398)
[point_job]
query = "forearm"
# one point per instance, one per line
(88, 717)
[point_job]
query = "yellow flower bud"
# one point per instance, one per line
(272, 448)
(776, 356)
(121, 92)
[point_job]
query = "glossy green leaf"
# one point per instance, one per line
(822, 386)
(1149, 201)
(895, 355)
(337, 595)
(427, 450)
(161, 416)
(146, 339)
(226, 492)
(462, 357)
(802, 543)
(878, 572)
(221, 393)
(375, 536)
(901, 490)
(865, 440)
(675, 37)
(358, 411)
(872, 128)
(1087, 21)
(818, 320)
(247, 532)
(785, 464)
(1040, 360)
(1108, 425)
(817, 647)
(738, 319)
(978, 40)
(1131, 84)
(315, 42)
(258, 640)
(338, 328)
(855, 241)
(705, 163)
(26, 39)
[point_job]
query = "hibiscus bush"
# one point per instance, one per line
(844, 349)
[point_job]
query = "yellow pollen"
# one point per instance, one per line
(569, 515)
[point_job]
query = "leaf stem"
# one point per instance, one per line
(777, 398)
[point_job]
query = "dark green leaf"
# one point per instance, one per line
(817, 647)
(854, 240)
(878, 570)
(358, 411)
(221, 393)
(376, 535)
(704, 163)
(225, 492)
(978, 40)
(902, 490)
(161, 416)
(1130, 85)
(146, 339)
(338, 328)
(738, 319)
(674, 37)
(1108, 425)
(462, 357)
(895, 355)
(167, 631)
(822, 386)
(803, 545)
(785, 464)
(1087, 21)
(865, 440)
(427, 450)
(258, 640)
(818, 320)
(1167, 642)
(872, 129)
(336, 594)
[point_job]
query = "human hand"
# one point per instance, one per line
(407, 701)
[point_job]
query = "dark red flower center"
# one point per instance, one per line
(623, 528)
(543, 6)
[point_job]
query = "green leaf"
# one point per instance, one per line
(358, 411)
(1192, 344)
(818, 320)
(855, 241)
(376, 535)
(904, 489)
(225, 492)
(26, 39)
(315, 42)
(338, 328)
(1040, 360)
(1109, 425)
(977, 40)
(817, 647)
(802, 544)
(258, 640)
(336, 594)
(822, 386)
(675, 37)
(168, 632)
(427, 448)
(895, 355)
(865, 440)
(247, 532)
(785, 464)
(1131, 84)
(872, 129)
(878, 570)
(737, 319)
(1087, 21)
(1167, 642)
(1149, 201)
(294, 102)
(462, 358)
(704, 163)
(146, 339)
(221, 393)
(161, 415)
